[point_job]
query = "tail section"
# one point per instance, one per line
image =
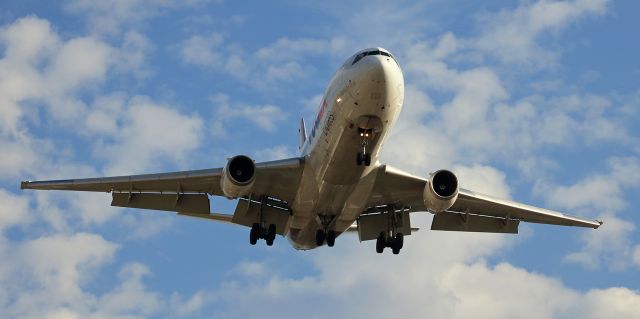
(303, 133)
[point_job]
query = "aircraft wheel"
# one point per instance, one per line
(271, 234)
(366, 159)
(331, 238)
(254, 234)
(399, 240)
(359, 159)
(380, 244)
(395, 250)
(320, 236)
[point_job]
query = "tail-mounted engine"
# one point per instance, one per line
(238, 176)
(441, 191)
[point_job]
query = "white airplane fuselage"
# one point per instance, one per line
(365, 95)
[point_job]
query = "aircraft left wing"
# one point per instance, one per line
(184, 192)
(472, 211)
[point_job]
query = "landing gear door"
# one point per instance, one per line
(264, 212)
(371, 225)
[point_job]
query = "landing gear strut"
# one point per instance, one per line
(363, 157)
(259, 232)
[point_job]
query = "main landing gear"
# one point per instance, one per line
(259, 232)
(363, 157)
(393, 236)
(326, 234)
(395, 242)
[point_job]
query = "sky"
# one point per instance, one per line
(535, 101)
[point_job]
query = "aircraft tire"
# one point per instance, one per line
(399, 240)
(380, 243)
(320, 237)
(254, 234)
(331, 238)
(271, 234)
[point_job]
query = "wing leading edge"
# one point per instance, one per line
(472, 211)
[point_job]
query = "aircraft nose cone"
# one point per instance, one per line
(375, 68)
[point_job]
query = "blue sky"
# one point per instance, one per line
(537, 101)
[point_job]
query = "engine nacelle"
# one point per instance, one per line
(441, 191)
(238, 176)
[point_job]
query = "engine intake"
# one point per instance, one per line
(238, 176)
(441, 192)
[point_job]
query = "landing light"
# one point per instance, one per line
(339, 100)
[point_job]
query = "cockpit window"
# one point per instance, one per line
(374, 52)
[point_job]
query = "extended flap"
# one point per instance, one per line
(183, 203)
(473, 223)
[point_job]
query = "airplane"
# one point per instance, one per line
(336, 184)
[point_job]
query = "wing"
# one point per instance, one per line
(472, 211)
(185, 192)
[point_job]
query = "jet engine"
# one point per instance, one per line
(238, 176)
(441, 191)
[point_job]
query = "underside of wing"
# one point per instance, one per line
(399, 192)
(484, 205)
(186, 192)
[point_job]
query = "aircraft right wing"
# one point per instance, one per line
(186, 192)
(472, 211)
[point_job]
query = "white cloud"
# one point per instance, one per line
(274, 153)
(131, 296)
(203, 50)
(14, 210)
(446, 277)
(111, 16)
(609, 245)
(39, 68)
(265, 117)
(264, 68)
(48, 273)
(285, 49)
(485, 178)
(636, 255)
(513, 35)
(149, 133)
(599, 192)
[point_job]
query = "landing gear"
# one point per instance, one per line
(329, 237)
(259, 232)
(363, 157)
(390, 223)
(394, 242)
(326, 234)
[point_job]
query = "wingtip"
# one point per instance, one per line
(24, 184)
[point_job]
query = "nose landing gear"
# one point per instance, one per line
(363, 157)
